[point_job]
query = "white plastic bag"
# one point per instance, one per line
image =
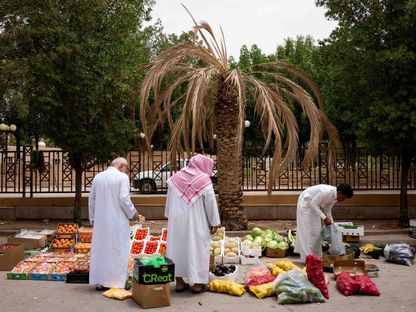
(337, 247)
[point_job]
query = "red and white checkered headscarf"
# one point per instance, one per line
(192, 180)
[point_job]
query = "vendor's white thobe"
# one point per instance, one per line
(110, 209)
(189, 233)
(314, 204)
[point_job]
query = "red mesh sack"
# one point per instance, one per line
(347, 285)
(316, 275)
(367, 286)
(258, 280)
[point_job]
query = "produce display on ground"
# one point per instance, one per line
(287, 279)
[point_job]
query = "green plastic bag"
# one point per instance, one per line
(156, 261)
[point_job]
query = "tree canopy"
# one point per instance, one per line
(372, 55)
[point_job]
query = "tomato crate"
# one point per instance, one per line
(136, 247)
(141, 233)
(151, 247)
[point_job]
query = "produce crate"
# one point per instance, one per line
(78, 278)
(275, 253)
(347, 228)
(248, 260)
(16, 276)
(231, 245)
(351, 238)
(67, 230)
(141, 233)
(85, 235)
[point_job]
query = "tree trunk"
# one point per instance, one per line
(77, 200)
(405, 168)
(229, 161)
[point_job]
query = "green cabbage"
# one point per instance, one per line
(255, 232)
(248, 237)
(272, 244)
(268, 237)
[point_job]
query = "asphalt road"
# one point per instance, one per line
(396, 283)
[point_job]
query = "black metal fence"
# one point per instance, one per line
(50, 171)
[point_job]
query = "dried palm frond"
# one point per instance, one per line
(202, 68)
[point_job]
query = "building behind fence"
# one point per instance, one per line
(29, 172)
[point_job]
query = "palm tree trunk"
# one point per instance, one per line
(229, 154)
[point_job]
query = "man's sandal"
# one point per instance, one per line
(183, 288)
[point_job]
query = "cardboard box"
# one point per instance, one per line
(38, 241)
(353, 267)
(275, 253)
(11, 256)
(351, 238)
(151, 296)
(149, 275)
(328, 260)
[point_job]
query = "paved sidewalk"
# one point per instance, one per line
(396, 284)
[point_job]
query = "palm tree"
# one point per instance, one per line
(214, 101)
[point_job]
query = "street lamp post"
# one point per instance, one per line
(6, 129)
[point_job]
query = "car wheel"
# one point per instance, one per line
(136, 184)
(147, 186)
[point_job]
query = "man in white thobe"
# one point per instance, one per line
(110, 209)
(192, 213)
(314, 206)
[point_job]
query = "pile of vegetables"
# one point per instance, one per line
(269, 238)
(293, 287)
(222, 269)
(347, 285)
(285, 266)
(315, 272)
(357, 284)
(226, 286)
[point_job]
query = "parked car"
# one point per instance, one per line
(153, 180)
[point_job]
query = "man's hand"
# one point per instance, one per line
(138, 218)
(327, 221)
(214, 229)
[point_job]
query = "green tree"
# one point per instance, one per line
(78, 63)
(373, 55)
(215, 102)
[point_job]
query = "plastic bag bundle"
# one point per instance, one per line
(337, 246)
(263, 290)
(293, 287)
(399, 253)
(117, 293)
(326, 235)
(258, 269)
